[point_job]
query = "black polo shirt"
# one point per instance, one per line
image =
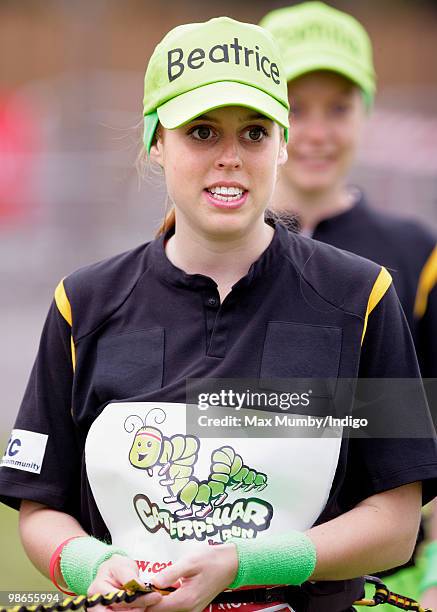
(101, 430)
(408, 250)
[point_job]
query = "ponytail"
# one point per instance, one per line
(167, 224)
(143, 165)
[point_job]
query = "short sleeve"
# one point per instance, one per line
(42, 460)
(425, 317)
(376, 464)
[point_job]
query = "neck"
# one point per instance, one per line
(313, 206)
(224, 259)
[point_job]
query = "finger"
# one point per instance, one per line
(170, 575)
(130, 609)
(178, 601)
(124, 571)
(112, 575)
(151, 600)
(99, 608)
(106, 590)
(142, 602)
(103, 587)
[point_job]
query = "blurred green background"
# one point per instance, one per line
(17, 573)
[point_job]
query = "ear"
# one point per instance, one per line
(157, 151)
(283, 154)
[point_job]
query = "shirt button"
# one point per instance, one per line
(213, 302)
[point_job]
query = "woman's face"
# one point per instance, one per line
(221, 169)
(327, 115)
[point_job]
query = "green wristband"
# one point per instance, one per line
(81, 559)
(429, 578)
(286, 558)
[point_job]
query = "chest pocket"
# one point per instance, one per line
(301, 351)
(129, 364)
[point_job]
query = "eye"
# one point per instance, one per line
(255, 133)
(139, 443)
(201, 132)
(149, 444)
(340, 109)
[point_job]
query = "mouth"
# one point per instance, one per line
(140, 457)
(225, 196)
(315, 161)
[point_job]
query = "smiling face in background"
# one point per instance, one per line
(220, 170)
(327, 116)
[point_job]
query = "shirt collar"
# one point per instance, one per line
(346, 216)
(172, 275)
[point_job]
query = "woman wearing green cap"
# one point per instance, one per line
(328, 64)
(118, 455)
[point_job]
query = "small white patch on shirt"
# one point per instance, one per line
(25, 451)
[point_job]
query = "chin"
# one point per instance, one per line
(226, 228)
(315, 183)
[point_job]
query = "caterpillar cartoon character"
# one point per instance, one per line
(177, 456)
(227, 471)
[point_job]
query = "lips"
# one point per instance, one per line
(226, 194)
(228, 202)
(314, 161)
(226, 185)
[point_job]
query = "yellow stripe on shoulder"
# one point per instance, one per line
(73, 353)
(427, 281)
(379, 289)
(64, 307)
(63, 303)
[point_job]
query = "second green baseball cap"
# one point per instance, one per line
(202, 66)
(314, 36)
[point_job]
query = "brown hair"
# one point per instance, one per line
(144, 167)
(168, 223)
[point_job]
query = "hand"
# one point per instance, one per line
(111, 576)
(202, 575)
(429, 598)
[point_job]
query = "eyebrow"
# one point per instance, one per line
(252, 117)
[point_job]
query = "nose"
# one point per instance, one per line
(316, 129)
(228, 156)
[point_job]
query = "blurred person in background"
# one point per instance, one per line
(19, 139)
(328, 63)
(101, 451)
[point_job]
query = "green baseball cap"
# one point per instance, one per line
(314, 36)
(202, 66)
